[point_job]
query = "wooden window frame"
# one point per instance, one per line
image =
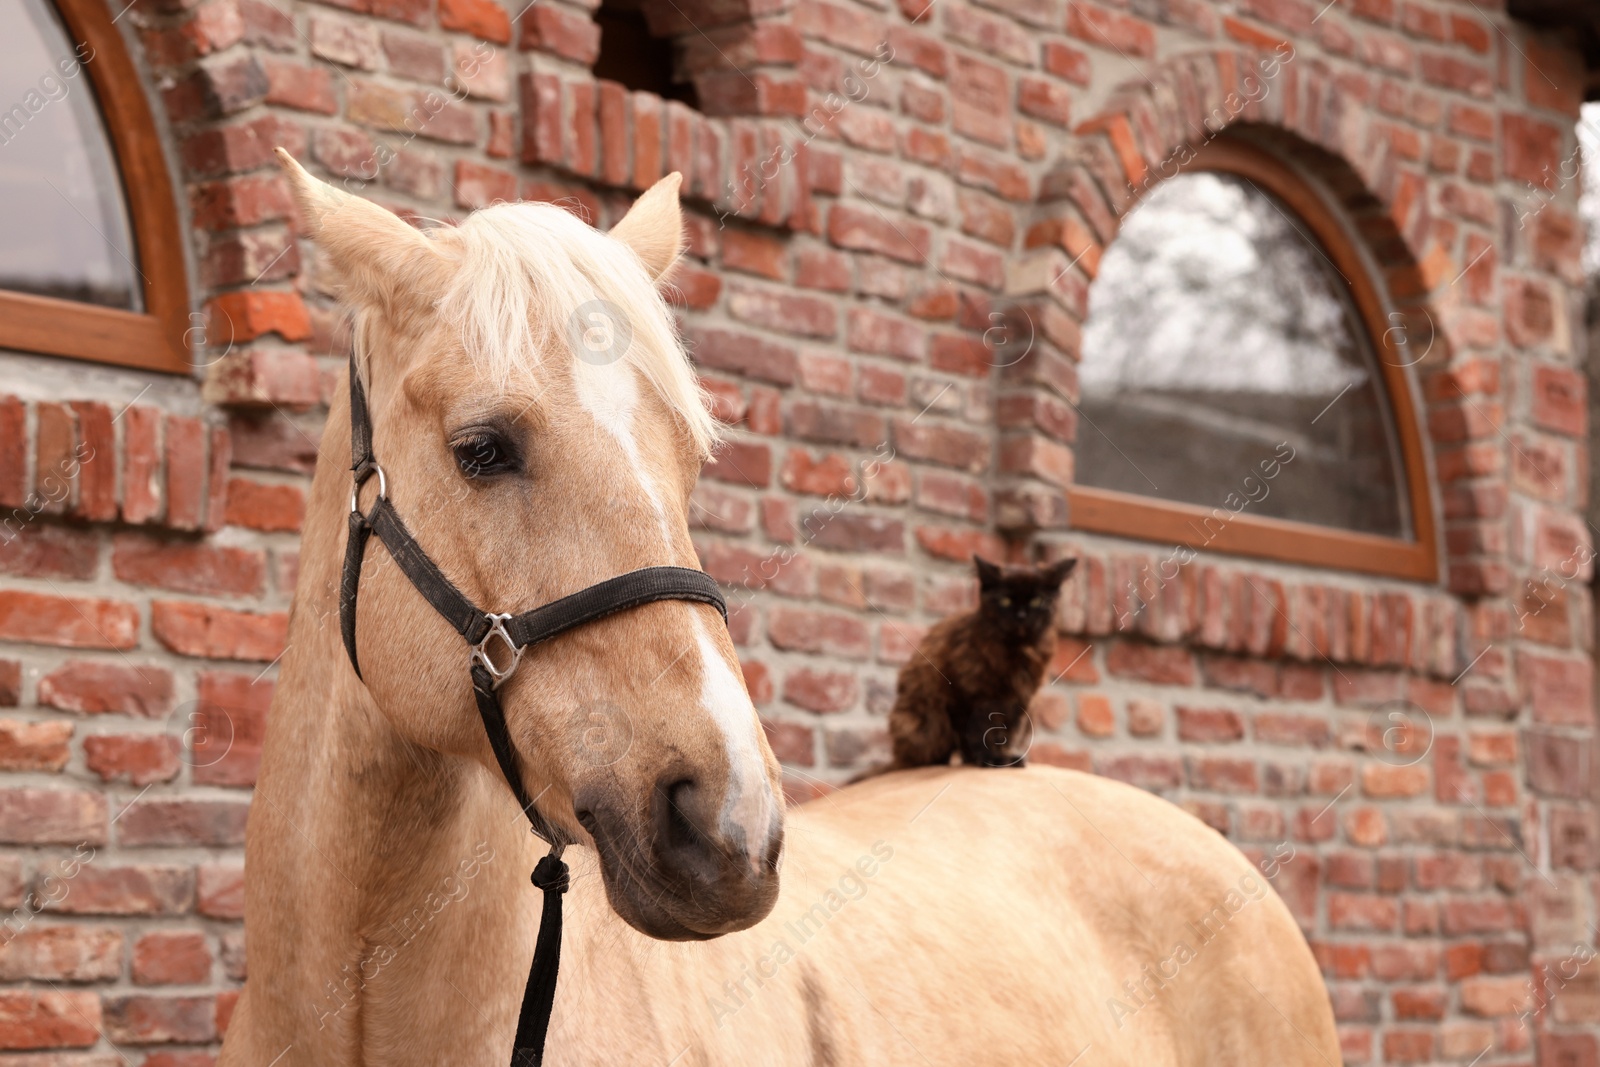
(1107, 511)
(153, 339)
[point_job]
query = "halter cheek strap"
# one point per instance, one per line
(496, 644)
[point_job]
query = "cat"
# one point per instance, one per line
(968, 685)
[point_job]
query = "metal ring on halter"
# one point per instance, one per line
(480, 651)
(355, 488)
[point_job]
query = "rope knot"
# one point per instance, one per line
(550, 875)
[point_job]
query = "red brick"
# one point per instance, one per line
(171, 957)
(565, 33)
(949, 446)
(1067, 62)
(1360, 911)
(218, 633)
(245, 316)
(872, 331)
(1159, 664)
(829, 633)
(34, 746)
(97, 466)
(41, 550)
(755, 253)
(94, 688)
(264, 377)
(1110, 30)
(741, 463)
(56, 461)
(52, 817)
(1531, 151)
(182, 822)
(137, 758)
(269, 507)
(830, 475)
(1154, 773)
(228, 727)
(782, 311)
(959, 545)
(1560, 689)
(234, 202)
(303, 86)
(1095, 715)
(1560, 400)
(221, 891)
(481, 18)
(10, 683)
(1209, 725)
(820, 690)
(868, 229)
(13, 452)
(188, 567)
(127, 890)
(67, 622)
(30, 1020)
(791, 742)
(62, 954)
(160, 1020)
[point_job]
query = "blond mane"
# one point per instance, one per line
(526, 268)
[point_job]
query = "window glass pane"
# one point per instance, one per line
(1220, 337)
(65, 226)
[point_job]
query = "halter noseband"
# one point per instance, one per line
(487, 632)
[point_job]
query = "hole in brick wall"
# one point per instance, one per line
(631, 54)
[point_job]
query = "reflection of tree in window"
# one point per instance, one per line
(1217, 330)
(61, 206)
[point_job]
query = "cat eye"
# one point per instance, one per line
(1035, 602)
(482, 452)
(1005, 602)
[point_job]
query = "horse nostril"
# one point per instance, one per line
(680, 831)
(682, 843)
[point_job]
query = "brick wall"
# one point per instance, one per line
(888, 202)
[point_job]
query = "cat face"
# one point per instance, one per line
(1020, 600)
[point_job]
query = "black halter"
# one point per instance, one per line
(515, 633)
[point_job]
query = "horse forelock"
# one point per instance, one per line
(525, 271)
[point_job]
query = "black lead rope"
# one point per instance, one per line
(514, 633)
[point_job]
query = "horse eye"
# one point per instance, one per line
(482, 453)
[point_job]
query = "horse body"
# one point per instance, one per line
(939, 916)
(969, 916)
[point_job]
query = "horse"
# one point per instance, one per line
(953, 915)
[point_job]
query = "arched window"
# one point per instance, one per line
(1238, 393)
(90, 260)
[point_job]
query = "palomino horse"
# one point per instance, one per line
(941, 916)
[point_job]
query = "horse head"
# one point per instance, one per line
(540, 429)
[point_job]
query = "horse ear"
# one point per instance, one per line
(988, 573)
(379, 257)
(1058, 573)
(653, 226)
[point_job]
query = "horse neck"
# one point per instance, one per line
(367, 825)
(351, 823)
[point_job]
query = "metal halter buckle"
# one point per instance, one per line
(357, 481)
(480, 651)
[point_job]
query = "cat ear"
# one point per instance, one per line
(988, 573)
(1058, 573)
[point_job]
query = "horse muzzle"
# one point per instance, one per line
(680, 872)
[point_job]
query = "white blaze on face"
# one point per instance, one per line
(748, 805)
(610, 393)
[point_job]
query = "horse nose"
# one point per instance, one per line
(693, 845)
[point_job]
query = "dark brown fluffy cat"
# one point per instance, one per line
(971, 679)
